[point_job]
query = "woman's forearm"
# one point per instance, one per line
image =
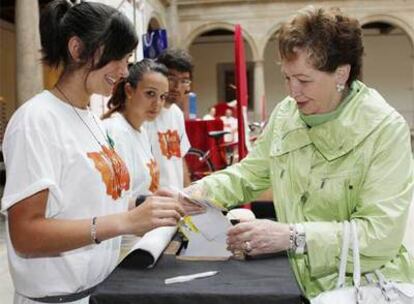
(34, 235)
(45, 237)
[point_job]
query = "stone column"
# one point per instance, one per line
(173, 26)
(29, 70)
(259, 88)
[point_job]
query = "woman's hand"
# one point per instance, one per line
(258, 237)
(155, 211)
(189, 206)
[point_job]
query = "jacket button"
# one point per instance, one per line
(304, 197)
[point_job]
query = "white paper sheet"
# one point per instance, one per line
(207, 233)
(199, 246)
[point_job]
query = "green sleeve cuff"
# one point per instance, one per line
(323, 241)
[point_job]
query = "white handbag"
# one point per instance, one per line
(382, 292)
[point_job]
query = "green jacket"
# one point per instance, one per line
(356, 166)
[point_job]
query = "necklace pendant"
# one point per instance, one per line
(110, 141)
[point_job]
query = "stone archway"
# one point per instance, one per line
(275, 89)
(388, 64)
(267, 37)
(196, 32)
(212, 47)
(396, 21)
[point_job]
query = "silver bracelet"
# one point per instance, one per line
(93, 231)
(300, 239)
(297, 239)
(292, 236)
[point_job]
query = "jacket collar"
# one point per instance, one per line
(333, 139)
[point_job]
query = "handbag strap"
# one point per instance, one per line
(349, 236)
(355, 251)
(344, 253)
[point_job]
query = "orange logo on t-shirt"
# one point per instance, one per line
(113, 171)
(155, 175)
(169, 143)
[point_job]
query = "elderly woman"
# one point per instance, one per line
(333, 150)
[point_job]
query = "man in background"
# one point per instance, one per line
(230, 125)
(167, 133)
(211, 114)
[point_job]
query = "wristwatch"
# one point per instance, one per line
(299, 239)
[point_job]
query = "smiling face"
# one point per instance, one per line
(314, 91)
(145, 102)
(103, 80)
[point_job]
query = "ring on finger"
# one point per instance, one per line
(247, 247)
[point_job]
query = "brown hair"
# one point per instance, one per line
(136, 73)
(330, 38)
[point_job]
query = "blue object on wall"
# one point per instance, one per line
(192, 108)
(154, 43)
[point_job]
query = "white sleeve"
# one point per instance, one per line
(33, 163)
(184, 141)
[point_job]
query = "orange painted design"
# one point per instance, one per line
(113, 171)
(169, 143)
(155, 175)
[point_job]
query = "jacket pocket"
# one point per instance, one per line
(333, 197)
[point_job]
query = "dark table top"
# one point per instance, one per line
(268, 280)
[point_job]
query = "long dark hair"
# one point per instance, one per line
(99, 27)
(136, 72)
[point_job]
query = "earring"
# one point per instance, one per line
(340, 87)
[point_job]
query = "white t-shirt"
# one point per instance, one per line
(230, 124)
(47, 146)
(208, 117)
(170, 143)
(135, 149)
